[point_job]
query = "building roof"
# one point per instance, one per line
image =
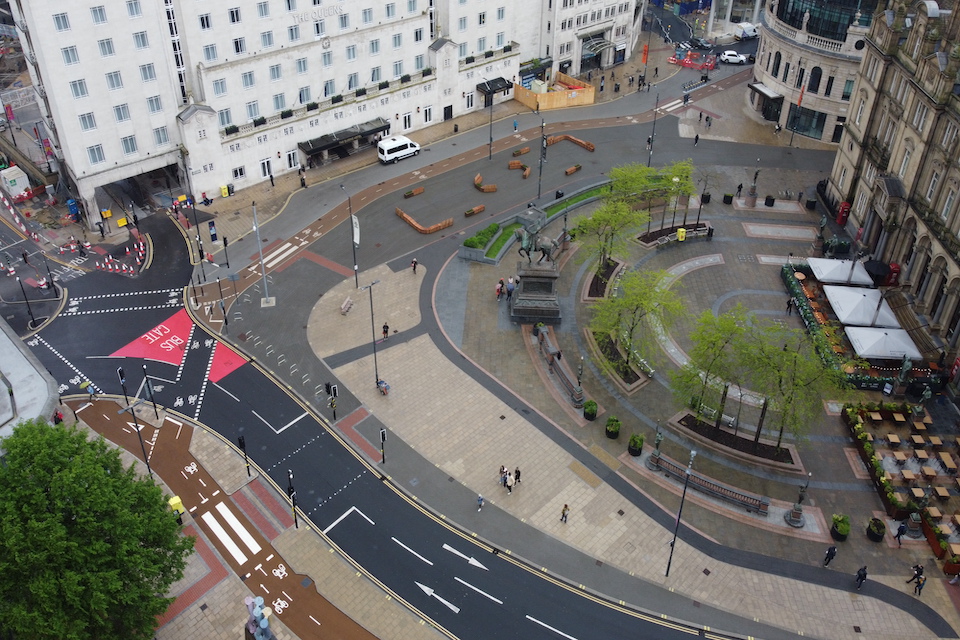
(193, 109)
(440, 43)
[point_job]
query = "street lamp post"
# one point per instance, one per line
(196, 226)
(127, 407)
(33, 321)
(543, 156)
(356, 267)
(149, 383)
(489, 95)
(266, 301)
(653, 133)
(676, 200)
(683, 498)
(373, 331)
(293, 497)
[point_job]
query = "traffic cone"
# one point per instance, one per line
(128, 250)
(61, 249)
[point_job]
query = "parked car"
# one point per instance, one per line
(732, 57)
(701, 43)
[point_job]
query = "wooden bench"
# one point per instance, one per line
(918, 440)
(935, 514)
(760, 504)
(420, 228)
(900, 457)
(514, 164)
(485, 188)
(346, 306)
(921, 455)
(413, 192)
(947, 459)
(526, 172)
(520, 152)
(893, 439)
(928, 473)
(572, 170)
(477, 209)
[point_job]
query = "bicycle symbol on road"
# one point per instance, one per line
(279, 605)
(191, 468)
(280, 571)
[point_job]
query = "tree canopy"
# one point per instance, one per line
(87, 547)
(605, 233)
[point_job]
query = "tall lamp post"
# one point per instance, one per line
(683, 498)
(293, 497)
(653, 133)
(543, 157)
(353, 242)
(373, 331)
(127, 407)
(490, 96)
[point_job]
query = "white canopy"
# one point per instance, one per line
(838, 271)
(858, 306)
(885, 344)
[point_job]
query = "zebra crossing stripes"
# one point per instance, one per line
(223, 536)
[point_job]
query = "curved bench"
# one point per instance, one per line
(420, 228)
(751, 502)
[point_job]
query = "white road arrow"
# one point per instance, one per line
(470, 559)
(433, 594)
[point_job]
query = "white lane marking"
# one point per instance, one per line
(224, 538)
(238, 528)
(412, 551)
(292, 422)
(483, 593)
(433, 594)
(261, 417)
(315, 620)
(279, 256)
(470, 559)
(546, 626)
(235, 398)
(345, 514)
(169, 419)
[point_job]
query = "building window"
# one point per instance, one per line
(99, 15)
(301, 65)
(501, 13)
(353, 81)
(860, 109)
(407, 120)
(391, 9)
(344, 20)
(95, 154)
(129, 144)
(248, 79)
(319, 28)
(205, 22)
(375, 74)
(114, 81)
(481, 44)
(327, 59)
(418, 63)
(226, 119)
(427, 115)
(140, 40)
(847, 90)
(462, 24)
(210, 52)
(87, 122)
(220, 87)
(482, 18)
(253, 110)
(374, 47)
(501, 39)
(78, 88)
(948, 204)
(304, 95)
(266, 39)
(293, 33)
(148, 73)
(239, 45)
(239, 172)
(776, 64)
(800, 74)
(70, 55)
(786, 71)
(61, 22)
(234, 15)
(366, 16)
(133, 8)
(121, 113)
(160, 136)
(842, 179)
(291, 5)
(949, 136)
(397, 41)
(329, 88)
(279, 102)
(904, 163)
(411, 6)
(932, 188)
(418, 35)
(275, 72)
(154, 105)
(861, 199)
(462, 50)
(263, 9)
(352, 52)
(920, 116)
(106, 47)
(826, 92)
(397, 69)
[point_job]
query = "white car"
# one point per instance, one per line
(732, 57)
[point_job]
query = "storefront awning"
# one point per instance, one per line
(765, 91)
(344, 136)
(596, 45)
(495, 85)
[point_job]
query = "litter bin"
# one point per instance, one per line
(709, 233)
(728, 198)
(230, 189)
(811, 204)
(456, 128)
(616, 87)
(224, 192)
(559, 194)
(705, 198)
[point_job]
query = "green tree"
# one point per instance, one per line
(605, 233)
(644, 307)
(87, 547)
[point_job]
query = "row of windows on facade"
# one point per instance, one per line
(129, 145)
(592, 16)
(813, 83)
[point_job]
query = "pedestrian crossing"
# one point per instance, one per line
(228, 541)
(672, 106)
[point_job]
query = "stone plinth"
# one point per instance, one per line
(535, 300)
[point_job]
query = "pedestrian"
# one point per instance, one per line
(516, 475)
(831, 554)
(503, 477)
(649, 142)
(303, 182)
(790, 304)
(510, 482)
(656, 72)
(861, 576)
(83, 254)
(799, 196)
(602, 80)
(516, 126)
(589, 76)
(57, 417)
(563, 514)
(917, 572)
(500, 473)
(413, 263)
(649, 86)
(271, 180)
(922, 580)
(499, 290)
(778, 129)
(510, 288)
(701, 116)
(386, 330)
(613, 76)
(739, 189)
(709, 121)
(902, 529)
(696, 139)
(479, 502)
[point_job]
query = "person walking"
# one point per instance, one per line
(516, 475)
(479, 502)
(510, 482)
(831, 554)
(501, 474)
(739, 189)
(271, 181)
(696, 139)
(649, 142)
(701, 116)
(516, 126)
(563, 514)
(901, 530)
(510, 288)
(917, 572)
(656, 72)
(499, 290)
(386, 330)
(303, 182)
(414, 263)
(922, 580)
(861, 576)
(790, 304)
(799, 196)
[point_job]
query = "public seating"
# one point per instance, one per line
(416, 225)
(346, 306)
(759, 504)
(485, 188)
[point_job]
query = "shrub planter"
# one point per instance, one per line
(770, 201)
(488, 54)
(384, 85)
(705, 198)
(361, 92)
(635, 446)
(405, 78)
(841, 527)
(336, 99)
(469, 60)
(231, 129)
(590, 410)
(259, 122)
(427, 72)
(572, 170)
(728, 198)
(613, 427)
(286, 113)
(313, 106)
(413, 192)
(876, 529)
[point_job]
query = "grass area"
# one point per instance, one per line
(596, 191)
(505, 234)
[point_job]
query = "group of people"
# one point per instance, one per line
(507, 288)
(861, 575)
(509, 479)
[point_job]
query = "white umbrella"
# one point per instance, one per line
(885, 344)
(840, 271)
(861, 307)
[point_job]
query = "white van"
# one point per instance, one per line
(396, 148)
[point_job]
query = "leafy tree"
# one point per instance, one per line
(645, 306)
(678, 178)
(606, 231)
(87, 547)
